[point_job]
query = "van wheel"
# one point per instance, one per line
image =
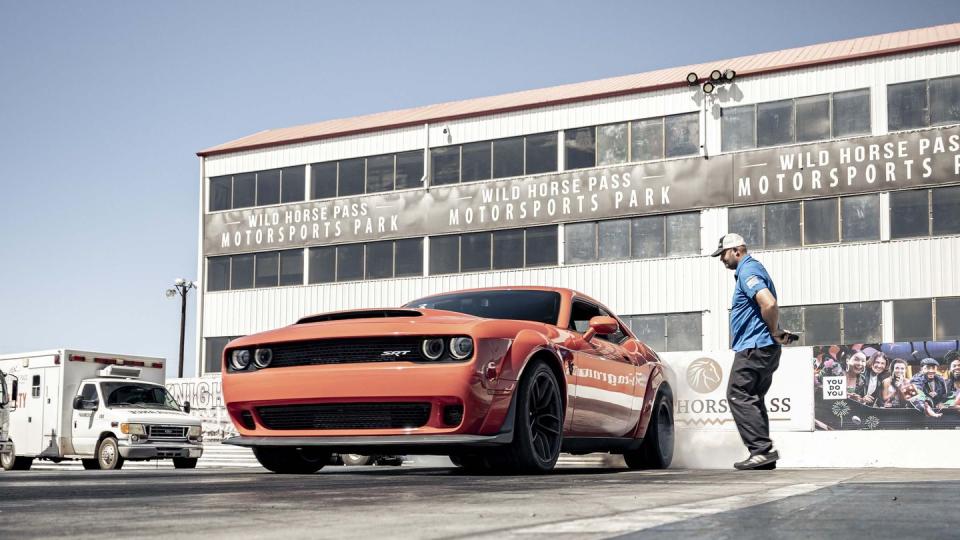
(10, 462)
(184, 463)
(108, 455)
(356, 460)
(656, 450)
(90, 464)
(288, 460)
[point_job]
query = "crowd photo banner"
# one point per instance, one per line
(902, 385)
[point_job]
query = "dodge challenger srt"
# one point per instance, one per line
(498, 379)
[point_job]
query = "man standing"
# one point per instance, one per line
(756, 339)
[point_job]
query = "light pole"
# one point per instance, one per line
(181, 287)
(708, 86)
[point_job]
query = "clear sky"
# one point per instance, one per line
(103, 106)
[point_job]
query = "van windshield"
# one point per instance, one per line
(127, 394)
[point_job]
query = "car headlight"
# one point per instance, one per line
(461, 347)
(133, 429)
(240, 360)
(193, 432)
(433, 348)
(262, 357)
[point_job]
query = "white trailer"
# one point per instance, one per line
(99, 408)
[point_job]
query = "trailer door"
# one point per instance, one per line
(40, 410)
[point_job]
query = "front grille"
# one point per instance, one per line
(347, 351)
(167, 432)
(345, 416)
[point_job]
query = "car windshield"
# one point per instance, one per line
(536, 306)
(127, 394)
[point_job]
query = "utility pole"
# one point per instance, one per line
(181, 287)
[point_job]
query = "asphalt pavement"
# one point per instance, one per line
(442, 502)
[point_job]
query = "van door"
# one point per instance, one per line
(34, 411)
(85, 430)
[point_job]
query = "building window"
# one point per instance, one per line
(580, 147)
(373, 260)
(497, 250)
(259, 188)
(213, 358)
(476, 161)
(668, 331)
(541, 153)
(409, 170)
(924, 212)
(834, 324)
(508, 157)
(920, 104)
(373, 174)
(669, 136)
(811, 118)
(380, 173)
(636, 238)
(913, 320)
(249, 270)
(612, 144)
(924, 319)
(805, 223)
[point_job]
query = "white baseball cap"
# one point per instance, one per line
(728, 241)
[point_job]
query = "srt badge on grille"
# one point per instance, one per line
(394, 353)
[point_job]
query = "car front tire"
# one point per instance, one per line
(538, 426)
(288, 460)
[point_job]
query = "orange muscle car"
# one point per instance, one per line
(500, 379)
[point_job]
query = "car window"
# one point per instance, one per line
(89, 393)
(619, 336)
(521, 305)
(581, 314)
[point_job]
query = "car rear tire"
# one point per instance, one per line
(656, 450)
(10, 462)
(288, 460)
(356, 460)
(538, 426)
(184, 463)
(108, 455)
(90, 464)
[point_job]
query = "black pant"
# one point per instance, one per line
(749, 382)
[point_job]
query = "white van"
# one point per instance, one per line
(99, 408)
(7, 389)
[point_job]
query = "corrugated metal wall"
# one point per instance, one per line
(839, 273)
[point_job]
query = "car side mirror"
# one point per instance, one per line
(78, 403)
(186, 407)
(601, 325)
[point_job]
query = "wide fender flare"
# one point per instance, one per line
(656, 382)
(528, 345)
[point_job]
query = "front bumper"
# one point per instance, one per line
(159, 451)
(390, 444)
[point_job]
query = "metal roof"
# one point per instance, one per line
(812, 55)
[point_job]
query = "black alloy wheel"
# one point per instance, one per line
(538, 428)
(656, 450)
(290, 460)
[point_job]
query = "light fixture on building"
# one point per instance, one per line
(708, 87)
(692, 78)
(729, 74)
(716, 75)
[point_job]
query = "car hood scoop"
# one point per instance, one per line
(360, 314)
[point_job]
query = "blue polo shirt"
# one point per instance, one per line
(747, 329)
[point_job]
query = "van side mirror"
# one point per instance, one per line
(186, 407)
(81, 404)
(13, 393)
(601, 325)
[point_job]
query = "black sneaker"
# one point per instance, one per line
(759, 461)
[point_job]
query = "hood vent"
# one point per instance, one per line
(360, 314)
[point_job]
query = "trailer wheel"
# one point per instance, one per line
(108, 455)
(90, 464)
(184, 463)
(10, 462)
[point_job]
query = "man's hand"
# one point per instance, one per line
(868, 400)
(784, 337)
